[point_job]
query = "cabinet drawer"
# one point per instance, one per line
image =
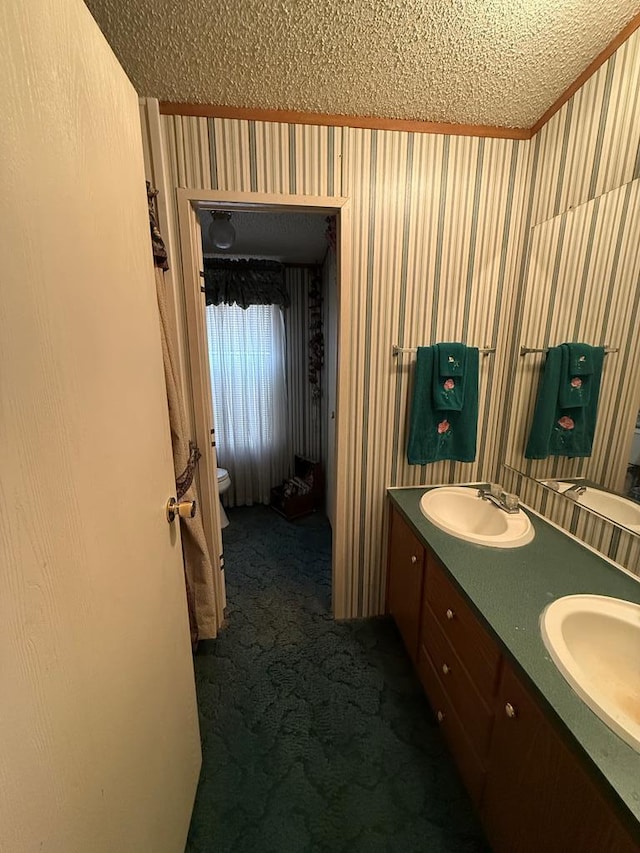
(474, 714)
(404, 581)
(466, 635)
(469, 765)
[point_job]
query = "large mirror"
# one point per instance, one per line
(583, 285)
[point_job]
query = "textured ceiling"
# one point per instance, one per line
(294, 238)
(498, 62)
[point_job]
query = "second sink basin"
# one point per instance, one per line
(595, 643)
(459, 510)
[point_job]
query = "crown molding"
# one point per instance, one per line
(328, 120)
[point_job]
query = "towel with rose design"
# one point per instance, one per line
(449, 376)
(444, 410)
(564, 420)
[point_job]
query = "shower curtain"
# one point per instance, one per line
(198, 567)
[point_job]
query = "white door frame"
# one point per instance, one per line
(188, 202)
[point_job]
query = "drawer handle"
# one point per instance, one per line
(446, 668)
(449, 614)
(414, 559)
(510, 711)
(440, 716)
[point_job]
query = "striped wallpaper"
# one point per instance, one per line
(583, 285)
(579, 280)
(436, 239)
(440, 250)
(435, 245)
(329, 376)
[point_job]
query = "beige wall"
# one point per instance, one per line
(99, 740)
(439, 251)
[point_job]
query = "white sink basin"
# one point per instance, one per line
(595, 643)
(459, 511)
(619, 509)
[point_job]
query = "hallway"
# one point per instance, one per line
(316, 734)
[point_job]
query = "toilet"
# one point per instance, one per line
(224, 481)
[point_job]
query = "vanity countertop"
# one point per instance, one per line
(509, 588)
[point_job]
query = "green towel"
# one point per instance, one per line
(581, 361)
(575, 388)
(451, 358)
(449, 377)
(559, 430)
(435, 434)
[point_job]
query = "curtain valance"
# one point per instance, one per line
(246, 282)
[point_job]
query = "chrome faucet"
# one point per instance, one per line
(575, 491)
(497, 496)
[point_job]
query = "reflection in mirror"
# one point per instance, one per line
(583, 285)
(617, 508)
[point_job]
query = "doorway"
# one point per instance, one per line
(267, 278)
(196, 206)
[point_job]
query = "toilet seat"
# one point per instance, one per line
(224, 480)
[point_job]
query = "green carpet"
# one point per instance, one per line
(316, 735)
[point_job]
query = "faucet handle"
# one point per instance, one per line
(496, 490)
(511, 501)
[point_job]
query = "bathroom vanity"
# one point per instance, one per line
(543, 772)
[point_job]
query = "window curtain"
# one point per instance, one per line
(305, 353)
(244, 282)
(248, 381)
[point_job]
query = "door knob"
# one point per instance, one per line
(185, 509)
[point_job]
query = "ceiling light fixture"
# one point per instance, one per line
(221, 232)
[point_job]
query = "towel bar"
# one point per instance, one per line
(527, 350)
(396, 350)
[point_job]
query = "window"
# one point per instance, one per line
(247, 361)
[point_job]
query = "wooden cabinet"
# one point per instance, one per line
(458, 665)
(532, 792)
(469, 764)
(404, 581)
(537, 794)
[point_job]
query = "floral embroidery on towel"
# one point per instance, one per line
(576, 382)
(566, 422)
(449, 385)
(443, 426)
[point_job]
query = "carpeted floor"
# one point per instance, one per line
(316, 735)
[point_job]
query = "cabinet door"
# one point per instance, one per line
(537, 794)
(404, 590)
